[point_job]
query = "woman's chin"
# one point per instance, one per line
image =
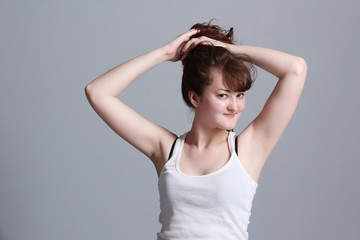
(228, 126)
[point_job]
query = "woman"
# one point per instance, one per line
(207, 176)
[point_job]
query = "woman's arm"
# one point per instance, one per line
(151, 139)
(262, 134)
(270, 124)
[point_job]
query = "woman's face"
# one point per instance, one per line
(219, 106)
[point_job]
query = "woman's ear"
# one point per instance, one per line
(194, 99)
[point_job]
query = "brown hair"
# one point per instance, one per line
(238, 72)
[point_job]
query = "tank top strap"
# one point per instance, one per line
(231, 142)
(177, 146)
(179, 141)
(172, 148)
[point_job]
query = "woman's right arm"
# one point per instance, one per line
(151, 139)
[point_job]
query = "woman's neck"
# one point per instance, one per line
(201, 137)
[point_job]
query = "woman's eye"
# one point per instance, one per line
(222, 95)
(241, 95)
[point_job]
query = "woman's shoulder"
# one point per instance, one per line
(167, 141)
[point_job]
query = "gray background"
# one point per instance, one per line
(64, 174)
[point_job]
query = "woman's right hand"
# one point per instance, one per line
(174, 49)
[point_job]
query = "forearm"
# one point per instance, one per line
(275, 62)
(114, 81)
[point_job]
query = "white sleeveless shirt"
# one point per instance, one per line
(212, 206)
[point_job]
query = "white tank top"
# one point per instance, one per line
(212, 206)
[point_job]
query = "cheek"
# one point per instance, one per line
(241, 105)
(219, 106)
(214, 105)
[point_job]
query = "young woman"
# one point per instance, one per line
(207, 176)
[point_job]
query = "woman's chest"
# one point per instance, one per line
(195, 164)
(224, 188)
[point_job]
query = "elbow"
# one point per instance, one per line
(299, 67)
(92, 94)
(89, 92)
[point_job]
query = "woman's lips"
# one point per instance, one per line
(231, 115)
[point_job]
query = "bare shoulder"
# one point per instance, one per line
(166, 141)
(247, 153)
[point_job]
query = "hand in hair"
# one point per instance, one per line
(193, 42)
(174, 49)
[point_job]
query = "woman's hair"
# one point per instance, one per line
(238, 72)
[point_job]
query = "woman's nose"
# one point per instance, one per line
(232, 106)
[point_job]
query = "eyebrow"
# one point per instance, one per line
(226, 90)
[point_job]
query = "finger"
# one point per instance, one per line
(183, 57)
(192, 32)
(192, 43)
(187, 46)
(183, 38)
(186, 36)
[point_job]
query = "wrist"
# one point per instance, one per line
(164, 53)
(235, 49)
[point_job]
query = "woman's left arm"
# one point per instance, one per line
(270, 124)
(267, 128)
